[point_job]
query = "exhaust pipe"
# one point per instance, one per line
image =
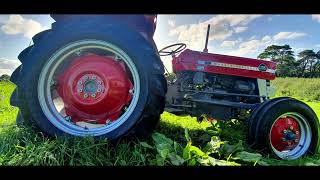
(207, 38)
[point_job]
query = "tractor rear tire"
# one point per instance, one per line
(286, 127)
(150, 104)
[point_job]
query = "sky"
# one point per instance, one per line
(244, 35)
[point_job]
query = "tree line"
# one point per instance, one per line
(306, 64)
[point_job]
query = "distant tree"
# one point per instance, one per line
(5, 77)
(283, 56)
(317, 65)
(308, 62)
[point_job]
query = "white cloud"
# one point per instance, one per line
(171, 23)
(288, 35)
(229, 44)
(297, 50)
(8, 66)
(240, 29)
(251, 46)
(3, 18)
(317, 45)
(266, 39)
(222, 27)
(316, 17)
(252, 37)
(233, 20)
(16, 24)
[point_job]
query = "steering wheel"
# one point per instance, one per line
(165, 52)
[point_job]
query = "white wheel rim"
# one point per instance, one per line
(46, 75)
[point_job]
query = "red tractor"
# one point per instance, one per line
(102, 76)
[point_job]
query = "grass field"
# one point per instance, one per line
(177, 141)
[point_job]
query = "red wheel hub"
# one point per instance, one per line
(95, 88)
(285, 134)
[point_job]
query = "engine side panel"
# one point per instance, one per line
(190, 60)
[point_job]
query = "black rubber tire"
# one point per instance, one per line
(19, 120)
(266, 115)
(252, 121)
(151, 103)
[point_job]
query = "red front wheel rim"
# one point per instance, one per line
(290, 136)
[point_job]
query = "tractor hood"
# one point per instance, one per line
(223, 64)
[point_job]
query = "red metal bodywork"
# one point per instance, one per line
(188, 60)
(108, 102)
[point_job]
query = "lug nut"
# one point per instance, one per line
(68, 118)
(296, 140)
(108, 122)
(93, 95)
(291, 127)
(284, 139)
(94, 77)
(52, 83)
(78, 53)
(116, 58)
(285, 131)
(80, 82)
(297, 132)
(85, 95)
(99, 90)
(131, 91)
(80, 90)
(99, 82)
(86, 77)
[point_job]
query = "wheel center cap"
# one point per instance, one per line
(290, 136)
(91, 86)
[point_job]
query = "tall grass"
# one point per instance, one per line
(179, 140)
(7, 112)
(302, 88)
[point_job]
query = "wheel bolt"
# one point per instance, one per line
(99, 82)
(296, 140)
(291, 127)
(94, 77)
(108, 122)
(85, 95)
(80, 82)
(131, 91)
(86, 77)
(93, 95)
(297, 132)
(80, 90)
(289, 143)
(68, 118)
(99, 90)
(52, 83)
(284, 131)
(116, 58)
(78, 53)
(284, 139)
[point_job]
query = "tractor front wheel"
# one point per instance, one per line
(286, 127)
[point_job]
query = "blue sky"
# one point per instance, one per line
(239, 35)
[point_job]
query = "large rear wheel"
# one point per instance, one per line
(103, 79)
